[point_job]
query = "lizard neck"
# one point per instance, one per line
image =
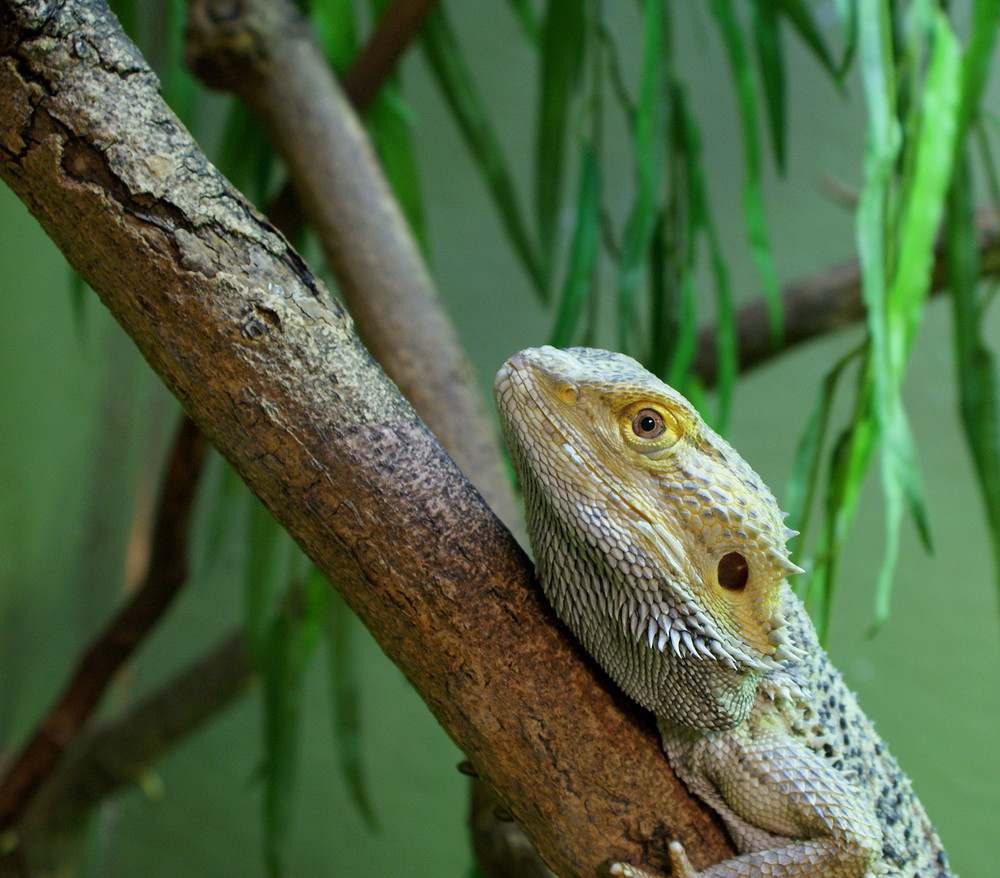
(685, 689)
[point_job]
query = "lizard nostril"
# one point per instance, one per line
(733, 571)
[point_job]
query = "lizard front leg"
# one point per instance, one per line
(790, 813)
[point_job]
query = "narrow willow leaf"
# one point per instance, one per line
(583, 249)
(265, 563)
(336, 29)
(282, 662)
(227, 509)
(753, 199)
(78, 292)
(178, 84)
(849, 460)
(804, 478)
(979, 389)
(847, 13)
(562, 49)
(894, 329)
(901, 485)
(389, 121)
(800, 17)
(126, 11)
(246, 156)
(978, 56)
(339, 631)
(456, 83)
(702, 227)
(663, 291)
(650, 143)
(524, 11)
(771, 65)
(925, 198)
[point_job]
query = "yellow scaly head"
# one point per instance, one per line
(620, 471)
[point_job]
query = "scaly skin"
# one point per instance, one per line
(665, 554)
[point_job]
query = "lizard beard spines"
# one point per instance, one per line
(650, 613)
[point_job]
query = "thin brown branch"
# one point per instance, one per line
(105, 656)
(267, 365)
(109, 755)
(824, 303)
(393, 35)
(396, 29)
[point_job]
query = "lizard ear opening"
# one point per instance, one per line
(733, 572)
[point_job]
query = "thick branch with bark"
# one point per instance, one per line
(265, 53)
(267, 365)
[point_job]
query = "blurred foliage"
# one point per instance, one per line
(644, 267)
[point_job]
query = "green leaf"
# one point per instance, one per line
(979, 389)
(178, 85)
(227, 505)
(847, 13)
(246, 156)
(389, 122)
(266, 560)
(336, 29)
(702, 228)
(753, 198)
(456, 83)
(524, 11)
(924, 203)
(800, 16)
(849, 460)
(804, 478)
(562, 52)
(771, 65)
(894, 321)
(650, 140)
(583, 249)
(340, 626)
(286, 649)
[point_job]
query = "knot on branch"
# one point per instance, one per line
(227, 41)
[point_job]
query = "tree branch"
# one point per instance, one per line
(266, 364)
(266, 54)
(823, 303)
(396, 30)
(166, 573)
(105, 758)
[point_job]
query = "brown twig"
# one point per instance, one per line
(393, 35)
(396, 29)
(166, 572)
(823, 303)
(107, 755)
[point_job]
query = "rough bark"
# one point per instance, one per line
(264, 52)
(268, 366)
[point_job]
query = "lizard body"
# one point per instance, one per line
(665, 554)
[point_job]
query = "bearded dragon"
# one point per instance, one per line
(664, 553)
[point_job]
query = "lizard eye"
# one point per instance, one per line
(733, 572)
(648, 424)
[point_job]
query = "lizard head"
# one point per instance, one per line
(649, 530)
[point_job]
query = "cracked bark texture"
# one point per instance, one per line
(268, 366)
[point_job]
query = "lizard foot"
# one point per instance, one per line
(624, 870)
(680, 866)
